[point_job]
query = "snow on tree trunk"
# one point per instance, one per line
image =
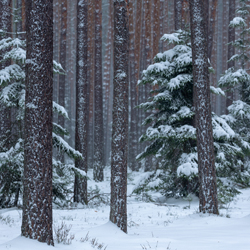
(98, 123)
(231, 48)
(118, 206)
(37, 199)
(82, 100)
(206, 161)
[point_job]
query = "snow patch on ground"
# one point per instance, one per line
(174, 224)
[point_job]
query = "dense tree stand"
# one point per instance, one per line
(37, 199)
(118, 206)
(203, 120)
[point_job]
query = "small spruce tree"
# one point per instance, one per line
(171, 131)
(12, 94)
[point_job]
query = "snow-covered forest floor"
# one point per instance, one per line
(168, 224)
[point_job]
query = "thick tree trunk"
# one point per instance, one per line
(206, 161)
(37, 199)
(98, 123)
(82, 100)
(118, 206)
(231, 48)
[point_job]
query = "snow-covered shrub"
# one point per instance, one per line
(171, 125)
(61, 234)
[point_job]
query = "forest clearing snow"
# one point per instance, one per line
(169, 225)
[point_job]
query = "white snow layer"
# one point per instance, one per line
(167, 224)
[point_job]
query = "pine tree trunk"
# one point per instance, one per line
(37, 199)
(211, 27)
(62, 60)
(206, 161)
(133, 111)
(107, 81)
(118, 206)
(98, 115)
(231, 48)
(138, 31)
(91, 78)
(178, 14)
(82, 101)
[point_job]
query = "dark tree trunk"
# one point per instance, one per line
(206, 161)
(231, 48)
(62, 60)
(98, 123)
(118, 206)
(82, 100)
(178, 14)
(37, 199)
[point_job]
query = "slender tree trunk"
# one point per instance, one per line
(107, 81)
(206, 161)
(98, 123)
(82, 100)
(91, 78)
(133, 111)
(37, 199)
(178, 14)
(231, 48)
(138, 31)
(211, 27)
(118, 206)
(62, 60)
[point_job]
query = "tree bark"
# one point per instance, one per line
(62, 60)
(231, 48)
(118, 206)
(98, 115)
(37, 199)
(82, 100)
(206, 160)
(211, 27)
(132, 75)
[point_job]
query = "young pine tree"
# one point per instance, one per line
(239, 80)
(12, 95)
